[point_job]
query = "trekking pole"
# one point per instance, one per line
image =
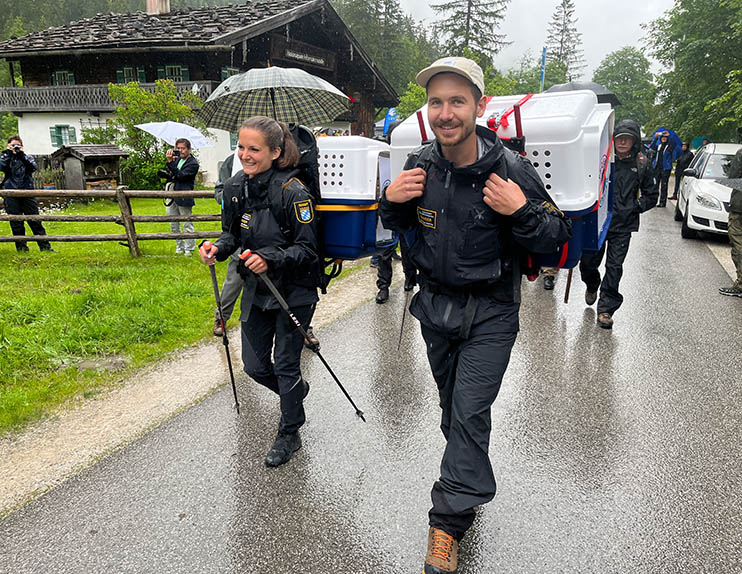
(569, 284)
(311, 345)
(225, 339)
(404, 313)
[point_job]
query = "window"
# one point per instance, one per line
(717, 166)
(62, 135)
(130, 74)
(174, 72)
(63, 78)
(232, 140)
(228, 71)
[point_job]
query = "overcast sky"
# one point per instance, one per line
(605, 25)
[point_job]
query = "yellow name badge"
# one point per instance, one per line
(245, 221)
(427, 217)
(304, 212)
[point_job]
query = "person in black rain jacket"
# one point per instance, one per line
(634, 192)
(469, 209)
(270, 214)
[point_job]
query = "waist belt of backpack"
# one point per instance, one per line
(471, 293)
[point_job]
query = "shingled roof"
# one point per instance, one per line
(194, 26)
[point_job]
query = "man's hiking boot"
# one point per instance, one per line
(313, 340)
(591, 297)
(443, 552)
(285, 445)
(731, 291)
(383, 295)
(605, 320)
(218, 330)
(548, 282)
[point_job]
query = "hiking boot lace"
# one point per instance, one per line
(442, 545)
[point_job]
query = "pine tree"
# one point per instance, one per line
(564, 42)
(471, 24)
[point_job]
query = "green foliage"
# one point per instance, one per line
(135, 105)
(698, 42)
(91, 300)
(564, 42)
(626, 72)
(411, 100)
(526, 78)
(728, 106)
(8, 126)
(471, 24)
(395, 42)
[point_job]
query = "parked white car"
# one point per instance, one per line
(703, 203)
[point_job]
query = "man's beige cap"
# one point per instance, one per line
(456, 65)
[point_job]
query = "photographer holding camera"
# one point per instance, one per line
(181, 172)
(17, 167)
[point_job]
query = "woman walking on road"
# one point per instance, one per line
(270, 216)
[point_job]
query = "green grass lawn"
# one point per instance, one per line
(90, 301)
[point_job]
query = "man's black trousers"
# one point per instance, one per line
(25, 206)
(283, 375)
(663, 176)
(384, 273)
(615, 247)
(468, 374)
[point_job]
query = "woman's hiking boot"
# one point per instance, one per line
(284, 446)
(443, 552)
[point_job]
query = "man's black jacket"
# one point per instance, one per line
(17, 169)
(635, 189)
(184, 178)
(459, 243)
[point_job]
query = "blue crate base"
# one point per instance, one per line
(585, 237)
(351, 234)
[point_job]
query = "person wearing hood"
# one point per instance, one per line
(666, 154)
(469, 209)
(685, 159)
(634, 192)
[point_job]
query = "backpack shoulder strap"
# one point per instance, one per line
(279, 183)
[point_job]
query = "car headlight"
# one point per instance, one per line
(708, 201)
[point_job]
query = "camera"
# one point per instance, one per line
(16, 148)
(176, 153)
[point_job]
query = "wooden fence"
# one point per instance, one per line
(126, 219)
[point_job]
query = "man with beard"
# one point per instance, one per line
(469, 209)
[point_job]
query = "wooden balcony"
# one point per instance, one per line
(79, 98)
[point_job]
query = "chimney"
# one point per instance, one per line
(158, 6)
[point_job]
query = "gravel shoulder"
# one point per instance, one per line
(74, 438)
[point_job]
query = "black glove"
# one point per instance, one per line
(164, 173)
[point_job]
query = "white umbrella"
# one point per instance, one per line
(171, 131)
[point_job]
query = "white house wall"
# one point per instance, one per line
(34, 131)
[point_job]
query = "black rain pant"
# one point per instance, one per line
(468, 374)
(615, 247)
(272, 330)
(384, 271)
(663, 177)
(25, 206)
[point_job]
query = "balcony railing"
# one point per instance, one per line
(88, 97)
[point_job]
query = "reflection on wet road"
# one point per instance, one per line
(615, 451)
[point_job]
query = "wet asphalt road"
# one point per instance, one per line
(615, 451)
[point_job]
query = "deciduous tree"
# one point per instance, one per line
(626, 72)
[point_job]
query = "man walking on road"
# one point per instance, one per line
(634, 192)
(468, 207)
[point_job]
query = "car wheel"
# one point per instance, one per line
(685, 231)
(678, 215)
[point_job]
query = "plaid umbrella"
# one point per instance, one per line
(290, 95)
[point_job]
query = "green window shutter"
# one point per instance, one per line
(141, 76)
(70, 78)
(233, 140)
(185, 74)
(72, 135)
(224, 74)
(161, 72)
(120, 79)
(53, 80)
(54, 134)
